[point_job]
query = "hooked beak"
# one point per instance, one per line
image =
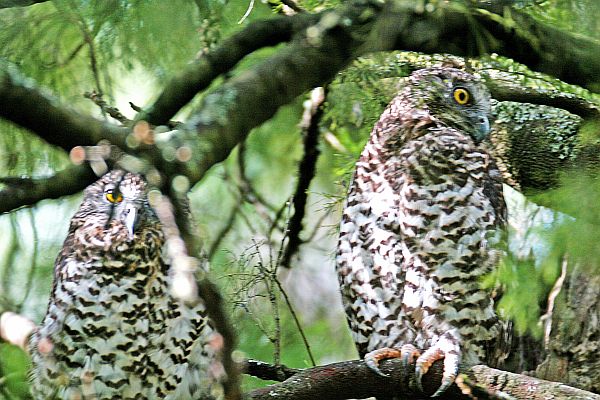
(483, 128)
(131, 219)
(484, 125)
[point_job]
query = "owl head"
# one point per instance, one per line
(115, 214)
(455, 98)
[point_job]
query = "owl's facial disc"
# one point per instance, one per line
(127, 206)
(456, 98)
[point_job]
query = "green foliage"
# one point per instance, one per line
(522, 290)
(575, 235)
(14, 367)
(577, 16)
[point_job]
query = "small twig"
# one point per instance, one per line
(296, 321)
(88, 38)
(546, 319)
(170, 124)
(268, 275)
(318, 225)
(311, 118)
(247, 13)
(106, 108)
(224, 231)
(286, 7)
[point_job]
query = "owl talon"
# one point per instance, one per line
(426, 360)
(446, 382)
(409, 354)
(372, 358)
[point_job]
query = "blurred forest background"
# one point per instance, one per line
(284, 312)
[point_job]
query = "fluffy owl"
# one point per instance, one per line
(112, 329)
(423, 209)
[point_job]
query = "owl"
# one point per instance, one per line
(112, 330)
(423, 211)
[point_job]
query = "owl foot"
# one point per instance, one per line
(407, 354)
(451, 362)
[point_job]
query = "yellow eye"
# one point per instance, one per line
(461, 96)
(113, 196)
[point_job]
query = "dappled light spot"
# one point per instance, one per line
(77, 155)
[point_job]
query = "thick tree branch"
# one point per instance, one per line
(196, 77)
(463, 32)
(352, 379)
(228, 113)
(573, 104)
(22, 103)
(28, 191)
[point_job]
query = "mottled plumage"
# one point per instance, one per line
(112, 329)
(422, 211)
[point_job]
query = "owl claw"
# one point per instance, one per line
(407, 354)
(372, 358)
(426, 360)
(446, 382)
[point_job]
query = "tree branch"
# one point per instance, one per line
(28, 191)
(311, 118)
(473, 32)
(228, 113)
(312, 58)
(22, 103)
(195, 78)
(353, 379)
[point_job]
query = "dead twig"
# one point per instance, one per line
(311, 118)
(106, 108)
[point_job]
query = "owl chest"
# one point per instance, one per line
(110, 331)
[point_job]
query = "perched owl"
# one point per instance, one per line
(112, 329)
(423, 209)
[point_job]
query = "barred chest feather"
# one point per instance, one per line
(112, 331)
(415, 238)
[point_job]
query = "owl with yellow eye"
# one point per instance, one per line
(418, 230)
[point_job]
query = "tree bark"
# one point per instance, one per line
(574, 343)
(353, 379)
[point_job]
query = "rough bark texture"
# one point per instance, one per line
(574, 347)
(352, 379)
(534, 144)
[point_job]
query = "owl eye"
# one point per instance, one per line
(461, 96)
(113, 196)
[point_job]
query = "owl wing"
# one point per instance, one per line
(369, 263)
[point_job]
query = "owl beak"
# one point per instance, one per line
(483, 126)
(131, 219)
